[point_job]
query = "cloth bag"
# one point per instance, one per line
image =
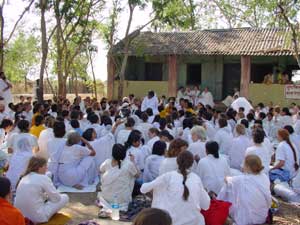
(217, 212)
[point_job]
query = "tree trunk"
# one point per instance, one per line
(76, 84)
(93, 72)
(43, 5)
(25, 81)
(125, 59)
(2, 37)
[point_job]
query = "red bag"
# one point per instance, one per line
(217, 212)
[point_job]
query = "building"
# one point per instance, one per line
(219, 59)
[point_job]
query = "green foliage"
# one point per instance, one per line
(21, 56)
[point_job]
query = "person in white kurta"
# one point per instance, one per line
(153, 162)
(123, 134)
(249, 194)
(197, 148)
(286, 155)
(44, 137)
(144, 126)
(5, 90)
(77, 167)
(223, 137)
(168, 193)
(153, 137)
(150, 101)
(22, 145)
(169, 163)
(118, 177)
(238, 147)
(36, 195)
(260, 149)
(207, 98)
(213, 168)
(102, 146)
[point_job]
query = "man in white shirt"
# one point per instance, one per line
(207, 98)
(150, 101)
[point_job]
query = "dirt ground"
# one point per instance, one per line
(82, 207)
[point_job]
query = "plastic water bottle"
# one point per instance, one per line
(115, 209)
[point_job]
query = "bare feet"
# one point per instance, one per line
(78, 186)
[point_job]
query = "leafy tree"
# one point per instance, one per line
(21, 56)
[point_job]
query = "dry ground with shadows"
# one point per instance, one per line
(82, 207)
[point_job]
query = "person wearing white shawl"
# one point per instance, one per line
(144, 126)
(180, 191)
(154, 161)
(213, 168)
(102, 146)
(153, 137)
(150, 101)
(207, 98)
(123, 134)
(36, 195)
(223, 136)
(45, 136)
(197, 148)
(55, 146)
(249, 193)
(76, 163)
(118, 176)
(238, 148)
(241, 102)
(23, 145)
(94, 120)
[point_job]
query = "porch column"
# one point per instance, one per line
(111, 69)
(245, 75)
(172, 82)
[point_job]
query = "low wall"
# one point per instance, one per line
(141, 88)
(266, 93)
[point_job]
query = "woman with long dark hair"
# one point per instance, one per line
(180, 191)
(36, 195)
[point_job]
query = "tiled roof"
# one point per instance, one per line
(240, 41)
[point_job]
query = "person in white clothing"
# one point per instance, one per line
(150, 101)
(36, 195)
(77, 167)
(286, 154)
(223, 136)
(259, 149)
(153, 137)
(22, 145)
(249, 193)
(169, 163)
(207, 98)
(144, 126)
(94, 120)
(102, 146)
(180, 191)
(238, 147)
(5, 90)
(55, 147)
(46, 135)
(197, 148)
(294, 138)
(154, 161)
(123, 134)
(118, 177)
(213, 169)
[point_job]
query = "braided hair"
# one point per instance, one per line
(119, 153)
(185, 161)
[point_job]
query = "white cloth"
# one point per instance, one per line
(98, 129)
(76, 166)
(117, 182)
(144, 128)
(224, 138)
(207, 99)
(5, 94)
(167, 195)
(167, 165)
(212, 172)
(198, 148)
(210, 129)
(103, 147)
(151, 170)
(31, 194)
(150, 103)
(250, 197)
(263, 153)
(285, 120)
(238, 150)
(151, 142)
(285, 153)
(44, 137)
(241, 102)
(140, 154)
(123, 136)
(22, 146)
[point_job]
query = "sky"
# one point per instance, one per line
(31, 21)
